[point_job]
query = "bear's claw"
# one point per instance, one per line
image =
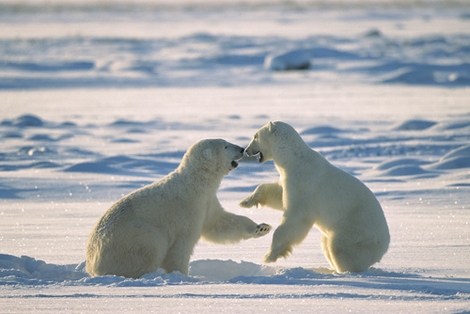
(248, 202)
(274, 254)
(269, 259)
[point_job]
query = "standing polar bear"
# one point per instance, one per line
(311, 191)
(159, 224)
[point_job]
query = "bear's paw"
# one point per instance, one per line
(249, 202)
(273, 254)
(261, 230)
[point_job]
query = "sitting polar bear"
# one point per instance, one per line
(311, 191)
(159, 224)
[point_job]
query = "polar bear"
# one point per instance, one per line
(158, 225)
(313, 192)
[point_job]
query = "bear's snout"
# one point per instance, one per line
(239, 152)
(249, 151)
(239, 149)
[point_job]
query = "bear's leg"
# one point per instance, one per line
(348, 254)
(326, 250)
(292, 230)
(129, 261)
(267, 194)
(225, 227)
(149, 246)
(178, 256)
(140, 249)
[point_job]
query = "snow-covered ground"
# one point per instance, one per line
(100, 98)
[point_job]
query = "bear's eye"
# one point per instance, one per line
(226, 146)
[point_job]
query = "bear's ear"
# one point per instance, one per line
(271, 126)
(207, 153)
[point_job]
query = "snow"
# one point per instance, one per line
(291, 60)
(92, 110)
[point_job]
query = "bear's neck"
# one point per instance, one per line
(206, 179)
(291, 155)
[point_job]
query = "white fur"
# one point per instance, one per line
(159, 224)
(312, 192)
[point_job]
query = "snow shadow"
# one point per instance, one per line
(204, 59)
(27, 271)
(414, 148)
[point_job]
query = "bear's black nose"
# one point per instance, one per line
(242, 150)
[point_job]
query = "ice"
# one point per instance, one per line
(99, 98)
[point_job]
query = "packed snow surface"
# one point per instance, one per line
(99, 98)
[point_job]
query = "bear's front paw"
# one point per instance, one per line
(248, 202)
(270, 258)
(261, 230)
(276, 253)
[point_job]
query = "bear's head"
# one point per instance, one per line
(214, 155)
(267, 138)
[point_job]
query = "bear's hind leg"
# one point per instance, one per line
(348, 254)
(146, 254)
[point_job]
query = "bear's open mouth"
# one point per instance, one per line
(260, 156)
(234, 164)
